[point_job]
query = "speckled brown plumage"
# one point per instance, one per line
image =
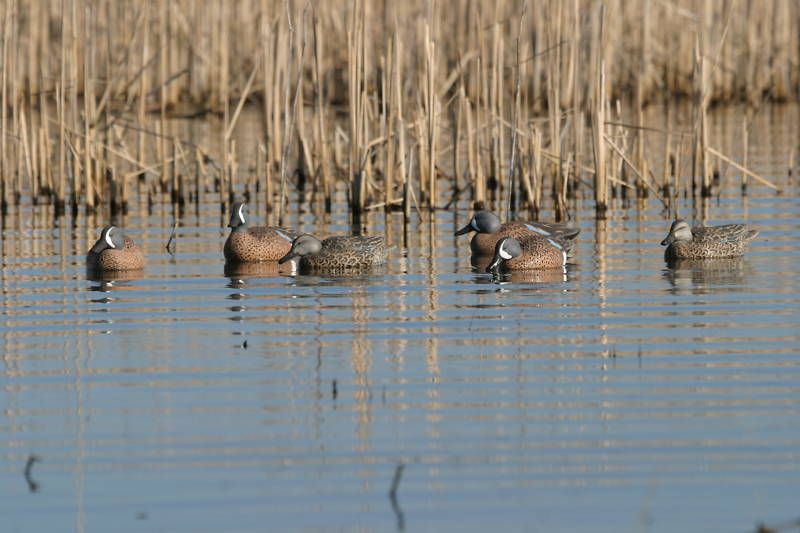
(337, 253)
(130, 257)
(264, 243)
(484, 243)
(340, 253)
(538, 253)
(708, 242)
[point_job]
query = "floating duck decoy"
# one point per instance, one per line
(488, 231)
(248, 244)
(706, 242)
(529, 253)
(337, 253)
(114, 251)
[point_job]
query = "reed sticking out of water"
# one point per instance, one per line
(395, 99)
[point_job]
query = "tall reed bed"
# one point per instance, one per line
(406, 105)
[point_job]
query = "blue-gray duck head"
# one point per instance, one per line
(482, 222)
(303, 245)
(505, 249)
(238, 215)
(110, 237)
(679, 231)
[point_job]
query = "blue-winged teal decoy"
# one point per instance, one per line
(337, 253)
(114, 251)
(248, 244)
(529, 253)
(488, 231)
(702, 242)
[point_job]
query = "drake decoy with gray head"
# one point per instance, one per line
(529, 253)
(248, 244)
(488, 231)
(114, 251)
(337, 253)
(706, 242)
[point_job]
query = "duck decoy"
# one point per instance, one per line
(337, 253)
(706, 242)
(529, 253)
(114, 251)
(248, 244)
(488, 231)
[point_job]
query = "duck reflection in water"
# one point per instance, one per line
(113, 280)
(701, 275)
(266, 269)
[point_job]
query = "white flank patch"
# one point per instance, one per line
(554, 243)
(503, 253)
(108, 238)
(241, 215)
(283, 235)
(564, 254)
(540, 231)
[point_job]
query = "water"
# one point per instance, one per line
(616, 396)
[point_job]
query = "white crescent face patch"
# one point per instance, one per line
(503, 253)
(108, 238)
(474, 224)
(241, 214)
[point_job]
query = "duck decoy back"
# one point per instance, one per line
(337, 253)
(114, 251)
(248, 244)
(706, 242)
(488, 231)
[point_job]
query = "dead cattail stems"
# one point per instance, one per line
(445, 83)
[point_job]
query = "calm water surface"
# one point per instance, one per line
(619, 395)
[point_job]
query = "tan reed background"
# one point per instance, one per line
(406, 104)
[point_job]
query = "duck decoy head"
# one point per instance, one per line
(303, 245)
(679, 231)
(482, 222)
(110, 237)
(506, 248)
(238, 214)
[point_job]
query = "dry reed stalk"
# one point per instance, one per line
(554, 108)
(742, 169)
(322, 171)
(356, 52)
(432, 111)
(745, 132)
(4, 168)
(599, 102)
(515, 113)
(291, 113)
(226, 184)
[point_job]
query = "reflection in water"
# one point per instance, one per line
(701, 274)
(266, 269)
(108, 276)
